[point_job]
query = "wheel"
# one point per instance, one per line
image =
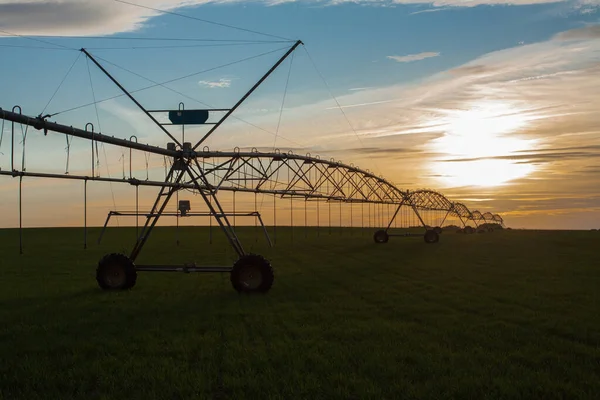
(116, 272)
(460, 231)
(252, 274)
(431, 236)
(381, 236)
(438, 230)
(469, 230)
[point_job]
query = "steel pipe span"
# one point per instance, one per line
(276, 173)
(208, 172)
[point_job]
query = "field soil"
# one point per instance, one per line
(502, 315)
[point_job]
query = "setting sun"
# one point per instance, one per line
(473, 142)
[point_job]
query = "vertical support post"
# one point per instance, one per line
(182, 108)
(210, 222)
(341, 231)
(351, 219)
(12, 142)
(305, 218)
(291, 208)
(362, 218)
(21, 214)
(318, 219)
(137, 211)
(92, 143)
(329, 214)
(274, 220)
(12, 147)
(177, 217)
(85, 214)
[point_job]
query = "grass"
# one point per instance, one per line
(504, 315)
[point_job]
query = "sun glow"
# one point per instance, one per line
(475, 143)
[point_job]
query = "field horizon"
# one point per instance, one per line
(507, 314)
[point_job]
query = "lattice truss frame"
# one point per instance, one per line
(274, 173)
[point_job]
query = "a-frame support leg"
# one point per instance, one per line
(157, 209)
(395, 214)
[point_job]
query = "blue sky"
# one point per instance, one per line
(412, 67)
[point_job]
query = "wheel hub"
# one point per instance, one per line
(251, 277)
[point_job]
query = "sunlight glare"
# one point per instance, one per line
(476, 135)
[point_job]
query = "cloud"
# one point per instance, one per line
(104, 17)
(471, 70)
(589, 32)
(430, 10)
(359, 105)
(413, 57)
(359, 89)
(504, 112)
(519, 123)
(221, 83)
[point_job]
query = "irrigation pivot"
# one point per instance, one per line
(308, 178)
(251, 273)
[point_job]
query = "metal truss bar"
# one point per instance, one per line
(130, 96)
(180, 185)
(418, 215)
(151, 222)
(189, 214)
(223, 221)
(344, 183)
(444, 220)
(300, 175)
(395, 214)
(182, 268)
(39, 124)
(131, 181)
(256, 85)
(203, 214)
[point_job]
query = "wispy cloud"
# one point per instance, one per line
(360, 88)
(588, 32)
(413, 57)
(517, 121)
(360, 104)
(221, 83)
(102, 17)
(430, 10)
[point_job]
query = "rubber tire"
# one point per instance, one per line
(268, 276)
(120, 261)
(438, 230)
(460, 231)
(431, 236)
(469, 230)
(381, 236)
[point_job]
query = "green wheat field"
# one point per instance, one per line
(502, 315)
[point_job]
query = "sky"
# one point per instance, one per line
(493, 103)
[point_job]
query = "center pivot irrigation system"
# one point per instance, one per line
(205, 172)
